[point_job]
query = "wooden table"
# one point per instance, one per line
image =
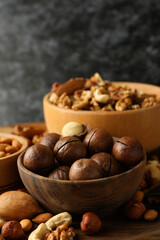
(116, 227)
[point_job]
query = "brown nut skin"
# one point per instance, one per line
(104, 161)
(60, 173)
(98, 140)
(90, 223)
(85, 169)
(49, 140)
(128, 151)
(108, 164)
(39, 159)
(12, 230)
(68, 149)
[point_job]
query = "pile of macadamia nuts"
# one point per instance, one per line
(82, 153)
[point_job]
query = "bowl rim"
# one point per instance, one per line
(21, 166)
(22, 140)
(45, 99)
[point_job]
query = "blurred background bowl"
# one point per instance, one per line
(144, 123)
(102, 196)
(8, 165)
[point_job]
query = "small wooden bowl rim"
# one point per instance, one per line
(22, 140)
(111, 112)
(92, 181)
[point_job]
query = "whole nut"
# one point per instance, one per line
(98, 140)
(150, 215)
(42, 218)
(138, 196)
(90, 223)
(39, 159)
(104, 161)
(134, 210)
(16, 144)
(12, 230)
(61, 173)
(72, 128)
(85, 169)
(128, 151)
(49, 140)
(68, 149)
(26, 225)
(115, 168)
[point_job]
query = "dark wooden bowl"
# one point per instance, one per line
(102, 196)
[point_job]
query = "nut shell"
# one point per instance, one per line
(68, 149)
(128, 151)
(85, 169)
(104, 161)
(39, 159)
(12, 230)
(98, 140)
(49, 140)
(61, 173)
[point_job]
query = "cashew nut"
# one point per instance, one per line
(100, 97)
(39, 233)
(57, 220)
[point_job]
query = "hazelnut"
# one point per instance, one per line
(61, 173)
(49, 140)
(12, 230)
(98, 140)
(68, 149)
(26, 225)
(90, 223)
(128, 151)
(85, 169)
(134, 210)
(39, 159)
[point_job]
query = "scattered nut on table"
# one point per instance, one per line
(90, 223)
(12, 230)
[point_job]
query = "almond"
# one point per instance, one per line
(42, 218)
(150, 215)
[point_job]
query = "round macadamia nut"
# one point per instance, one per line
(68, 149)
(98, 140)
(128, 151)
(61, 173)
(39, 159)
(49, 140)
(85, 169)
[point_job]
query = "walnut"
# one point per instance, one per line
(61, 233)
(148, 102)
(53, 98)
(123, 104)
(64, 101)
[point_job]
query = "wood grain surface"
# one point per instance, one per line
(116, 227)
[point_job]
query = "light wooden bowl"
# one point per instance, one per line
(8, 165)
(103, 196)
(144, 124)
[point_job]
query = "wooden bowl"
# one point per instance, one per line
(8, 165)
(103, 196)
(144, 124)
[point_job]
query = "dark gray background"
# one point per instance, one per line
(46, 41)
